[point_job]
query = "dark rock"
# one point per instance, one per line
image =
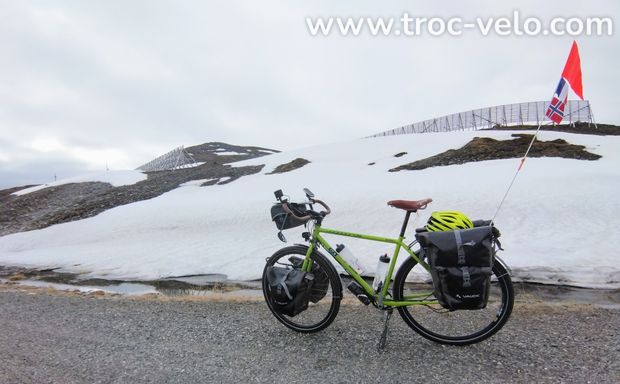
(69, 202)
(5, 194)
(579, 127)
(290, 166)
(208, 152)
(486, 148)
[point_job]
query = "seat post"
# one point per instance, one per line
(405, 222)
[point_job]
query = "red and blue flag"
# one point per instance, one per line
(571, 78)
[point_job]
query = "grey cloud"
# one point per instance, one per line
(42, 170)
(143, 77)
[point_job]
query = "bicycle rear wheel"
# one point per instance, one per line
(459, 327)
(318, 315)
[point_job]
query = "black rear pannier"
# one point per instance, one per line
(284, 220)
(461, 265)
(290, 289)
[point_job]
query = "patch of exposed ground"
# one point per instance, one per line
(486, 148)
(69, 202)
(212, 152)
(47, 206)
(290, 166)
(5, 194)
(579, 127)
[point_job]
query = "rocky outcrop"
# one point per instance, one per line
(486, 148)
(579, 127)
(290, 166)
(69, 202)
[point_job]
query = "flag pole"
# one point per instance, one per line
(517, 172)
(570, 79)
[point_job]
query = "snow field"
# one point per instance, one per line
(557, 223)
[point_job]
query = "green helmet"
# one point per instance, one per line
(448, 221)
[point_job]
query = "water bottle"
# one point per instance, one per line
(350, 258)
(382, 267)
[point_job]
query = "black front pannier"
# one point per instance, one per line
(284, 220)
(461, 264)
(321, 279)
(290, 289)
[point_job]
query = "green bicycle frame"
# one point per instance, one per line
(399, 242)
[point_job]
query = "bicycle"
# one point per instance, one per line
(410, 291)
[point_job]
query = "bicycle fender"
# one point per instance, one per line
(337, 295)
(503, 264)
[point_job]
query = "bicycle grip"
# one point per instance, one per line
(328, 211)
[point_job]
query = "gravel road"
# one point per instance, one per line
(50, 338)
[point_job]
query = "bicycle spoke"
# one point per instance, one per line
(452, 327)
(318, 314)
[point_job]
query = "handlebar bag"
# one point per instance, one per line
(283, 220)
(289, 289)
(461, 264)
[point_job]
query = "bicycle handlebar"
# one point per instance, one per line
(306, 217)
(327, 210)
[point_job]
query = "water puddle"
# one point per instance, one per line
(207, 286)
(211, 285)
(128, 289)
(217, 285)
(560, 294)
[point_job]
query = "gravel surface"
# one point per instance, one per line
(51, 338)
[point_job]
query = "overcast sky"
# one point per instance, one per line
(85, 83)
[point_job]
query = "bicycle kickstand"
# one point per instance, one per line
(386, 319)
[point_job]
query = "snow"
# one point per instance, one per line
(191, 165)
(196, 183)
(115, 178)
(557, 223)
(221, 151)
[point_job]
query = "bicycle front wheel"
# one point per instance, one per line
(460, 327)
(319, 314)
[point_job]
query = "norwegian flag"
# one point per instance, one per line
(571, 78)
(555, 111)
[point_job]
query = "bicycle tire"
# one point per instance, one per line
(450, 327)
(311, 320)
